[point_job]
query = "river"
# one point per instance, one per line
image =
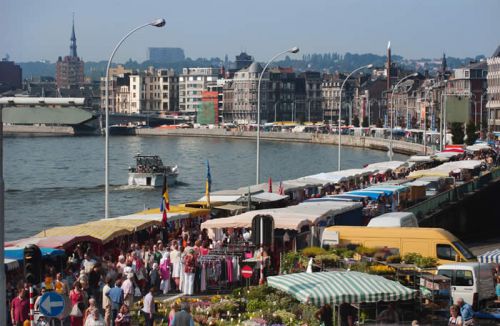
(53, 181)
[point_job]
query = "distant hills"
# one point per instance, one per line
(326, 62)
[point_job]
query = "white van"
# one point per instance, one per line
(394, 219)
(471, 281)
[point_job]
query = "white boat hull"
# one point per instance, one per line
(150, 179)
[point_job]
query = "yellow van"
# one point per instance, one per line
(429, 242)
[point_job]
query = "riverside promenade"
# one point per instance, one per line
(401, 147)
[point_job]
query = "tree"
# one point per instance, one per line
(355, 121)
(470, 130)
(457, 133)
(365, 124)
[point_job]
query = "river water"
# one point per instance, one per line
(53, 181)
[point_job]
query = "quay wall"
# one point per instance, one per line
(30, 130)
(401, 147)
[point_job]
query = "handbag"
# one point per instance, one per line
(75, 311)
(137, 292)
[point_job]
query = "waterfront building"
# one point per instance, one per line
(165, 55)
(282, 96)
(493, 95)
(245, 82)
(154, 91)
(114, 88)
(330, 91)
(243, 60)
(192, 82)
(69, 70)
(308, 86)
(468, 86)
(10, 75)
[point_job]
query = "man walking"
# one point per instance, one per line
(115, 295)
(106, 302)
(149, 307)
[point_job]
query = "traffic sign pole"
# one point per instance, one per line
(32, 307)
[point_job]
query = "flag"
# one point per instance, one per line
(270, 185)
(165, 201)
(281, 190)
(208, 184)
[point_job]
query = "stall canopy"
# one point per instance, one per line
(490, 257)
(104, 233)
(61, 241)
(445, 169)
(387, 166)
(17, 253)
(10, 264)
(340, 287)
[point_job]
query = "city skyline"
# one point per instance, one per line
(199, 28)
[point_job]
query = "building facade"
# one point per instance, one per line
(493, 105)
(10, 76)
(69, 70)
(192, 82)
(154, 91)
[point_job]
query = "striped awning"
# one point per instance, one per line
(490, 257)
(340, 287)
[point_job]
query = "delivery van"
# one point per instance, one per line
(474, 282)
(429, 242)
(394, 219)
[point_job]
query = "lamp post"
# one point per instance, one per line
(394, 89)
(340, 106)
(156, 23)
(292, 50)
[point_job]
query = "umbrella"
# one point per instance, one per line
(339, 287)
(490, 257)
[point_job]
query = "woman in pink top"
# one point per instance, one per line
(204, 248)
(76, 298)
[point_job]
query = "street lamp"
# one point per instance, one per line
(275, 111)
(415, 74)
(155, 23)
(292, 50)
(340, 105)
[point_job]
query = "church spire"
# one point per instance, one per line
(72, 46)
(444, 64)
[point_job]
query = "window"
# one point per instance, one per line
(445, 252)
(463, 278)
(463, 250)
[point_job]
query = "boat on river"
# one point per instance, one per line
(149, 172)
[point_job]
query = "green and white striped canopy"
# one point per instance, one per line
(340, 287)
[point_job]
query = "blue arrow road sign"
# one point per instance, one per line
(52, 304)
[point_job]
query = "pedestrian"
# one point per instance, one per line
(154, 277)
(77, 298)
(175, 259)
(61, 286)
(189, 270)
(128, 290)
(106, 302)
(19, 309)
(347, 314)
(92, 316)
(497, 288)
(389, 316)
(173, 309)
(116, 297)
(183, 317)
(466, 312)
(455, 318)
(165, 273)
(123, 318)
(149, 307)
(325, 315)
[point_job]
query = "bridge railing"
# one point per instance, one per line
(426, 207)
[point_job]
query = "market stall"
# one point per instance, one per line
(340, 287)
(492, 256)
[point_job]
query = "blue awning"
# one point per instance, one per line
(18, 253)
(375, 195)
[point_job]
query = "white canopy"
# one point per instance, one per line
(445, 169)
(221, 198)
(384, 167)
(420, 158)
(289, 218)
(153, 217)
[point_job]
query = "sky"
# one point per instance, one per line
(32, 30)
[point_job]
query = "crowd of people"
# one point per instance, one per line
(102, 291)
